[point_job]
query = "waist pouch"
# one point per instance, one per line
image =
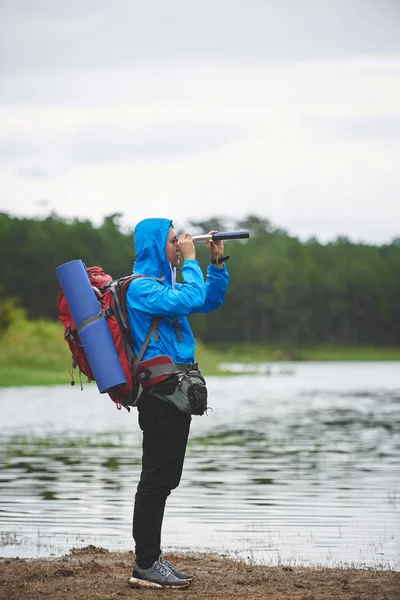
(187, 391)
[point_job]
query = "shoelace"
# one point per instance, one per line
(163, 569)
(167, 565)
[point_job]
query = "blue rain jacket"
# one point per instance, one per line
(159, 295)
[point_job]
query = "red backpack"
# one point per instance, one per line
(111, 295)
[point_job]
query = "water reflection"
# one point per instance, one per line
(301, 468)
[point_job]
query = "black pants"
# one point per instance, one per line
(165, 434)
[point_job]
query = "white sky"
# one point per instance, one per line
(189, 109)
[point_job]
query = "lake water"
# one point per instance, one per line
(296, 467)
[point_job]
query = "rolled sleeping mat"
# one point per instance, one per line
(95, 336)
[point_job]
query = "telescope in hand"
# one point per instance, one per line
(222, 235)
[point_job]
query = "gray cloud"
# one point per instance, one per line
(386, 127)
(220, 69)
(39, 157)
(98, 51)
(161, 140)
(31, 172)
(98, 34)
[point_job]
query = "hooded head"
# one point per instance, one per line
(150, 237)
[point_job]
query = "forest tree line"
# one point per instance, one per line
(282, 290)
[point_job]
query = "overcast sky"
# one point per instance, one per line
(287, 109)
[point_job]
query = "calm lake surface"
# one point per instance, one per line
(294, 467)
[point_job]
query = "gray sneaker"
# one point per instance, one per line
(174, 570)
(158, 576)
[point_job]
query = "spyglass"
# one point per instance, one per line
(222, 235)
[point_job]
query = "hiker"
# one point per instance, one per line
(165, 427)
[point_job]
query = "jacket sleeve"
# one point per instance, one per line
(215, 288)
(216, 285)
(151, 297)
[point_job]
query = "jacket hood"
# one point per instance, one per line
(150, 237)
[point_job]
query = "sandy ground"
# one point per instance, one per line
(96, 574)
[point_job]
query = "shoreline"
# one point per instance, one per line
(212, 363)
(35, 353)
(94, 573)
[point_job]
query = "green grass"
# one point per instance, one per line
(348, 353)
(255, 353)
(20, 376)
(35, 353)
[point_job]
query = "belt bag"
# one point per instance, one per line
(159, 368)
(181, 384)
(187, 391)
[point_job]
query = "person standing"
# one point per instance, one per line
(165, 427)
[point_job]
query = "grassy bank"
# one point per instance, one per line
(249, 353)
(35, 353)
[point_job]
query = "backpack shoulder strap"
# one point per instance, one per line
(124, 284)
(155, 321)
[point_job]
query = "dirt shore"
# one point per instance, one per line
(97, 574)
